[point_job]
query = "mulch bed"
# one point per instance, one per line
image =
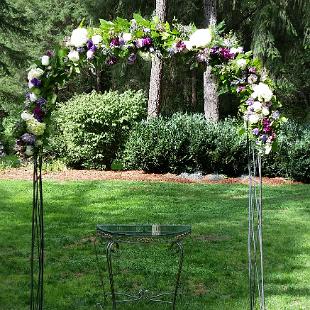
(134, 175)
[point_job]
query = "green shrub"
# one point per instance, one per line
(93, 127)
(185, 143)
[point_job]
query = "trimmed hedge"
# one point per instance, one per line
(92, 128)
(188, 143)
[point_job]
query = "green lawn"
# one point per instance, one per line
(215, 270)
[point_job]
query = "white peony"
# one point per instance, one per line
(45, 60)
(26, 116)
(33, 97)
(96, 39)
(79, 37)
(262, 92)
(257, 106)
(74, 56)
(265, 111)
(201, 38)
(253, 118)
(35, 73)
(127, 37)
(241, 63)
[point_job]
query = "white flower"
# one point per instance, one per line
(201, 38)
(252, 78)
(188, 44)
(45, 60)
(90, 54)
(35, 127)
(74, 56)
(33, 97)
(253, 118)
(30, 85)
(238, 50)
(241, 63)
(268, 148)
(127, 37)
(79, 37)
(257, 106)
(96, 39)
(262, 92)
(29, 150)
(26, 116)
(35, 73)
(265, 111)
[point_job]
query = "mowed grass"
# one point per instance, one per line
(215, 272)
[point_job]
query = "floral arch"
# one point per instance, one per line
(237, 72)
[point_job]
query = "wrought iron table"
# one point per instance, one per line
(115, 234)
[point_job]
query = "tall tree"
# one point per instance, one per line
(153, 108)
(211, 102)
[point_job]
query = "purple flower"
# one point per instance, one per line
(225, 53)
(264, 138)
(38, 113)
(112, 60)
(250, 101)
(180, 46)
(28, 138)
(146, 41)
(89, 44)
(132, 58)
(214, 50)
(80, 50)
(266, 125)
(40, 102)
(252, 70)
(255, 131)
(49, 53)
(35, 82)
(115, 42)
(27, 96)
(240, 88)
(275, 114)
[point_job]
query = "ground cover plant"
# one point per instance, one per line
(215, 273)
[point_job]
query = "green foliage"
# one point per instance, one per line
(9, 161)
(93, 127)
(189, 143)
(185, 143)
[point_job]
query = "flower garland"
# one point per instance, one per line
(122, 40)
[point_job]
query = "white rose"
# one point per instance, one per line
(127, 37)
(201, 38)
(253, 118)
(29, 150)
(262, 92)
(79, 37)
(45, 60)
(265, 111)
(188, 45)
(90, 54)
(74, 56)
(33, 97)
(241, 63)
(35, 73)
(26, 116)
(257, 106)
(96, 39)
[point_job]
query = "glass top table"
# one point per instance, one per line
(143, 230)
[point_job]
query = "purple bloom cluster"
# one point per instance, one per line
(226, 54)
(266, 125)
(115, 42)
(132, 58)
(38, 113)
(255, 131)
(112, 60)
(28, 138)
(40, 102)
(180, 46)
(36, 82)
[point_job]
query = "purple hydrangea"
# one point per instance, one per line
(214, 50)
(255, 131)
(35, 82)
(266, 125)
(115, 42)
(41, 101)
(226, 54)
(89, 44)
(28, 138)
(146, 41)
(38, 113)
(264, 138)
(132, 58)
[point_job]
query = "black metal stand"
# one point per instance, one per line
(255, 230)
(37, 242)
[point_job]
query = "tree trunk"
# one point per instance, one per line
(157, 69)
(211, 102)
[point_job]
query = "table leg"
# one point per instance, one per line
(177, 283)
(109, 261)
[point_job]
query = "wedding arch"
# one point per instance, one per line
(122, 40)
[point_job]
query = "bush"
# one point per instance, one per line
(185, 143)
(93, 127)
